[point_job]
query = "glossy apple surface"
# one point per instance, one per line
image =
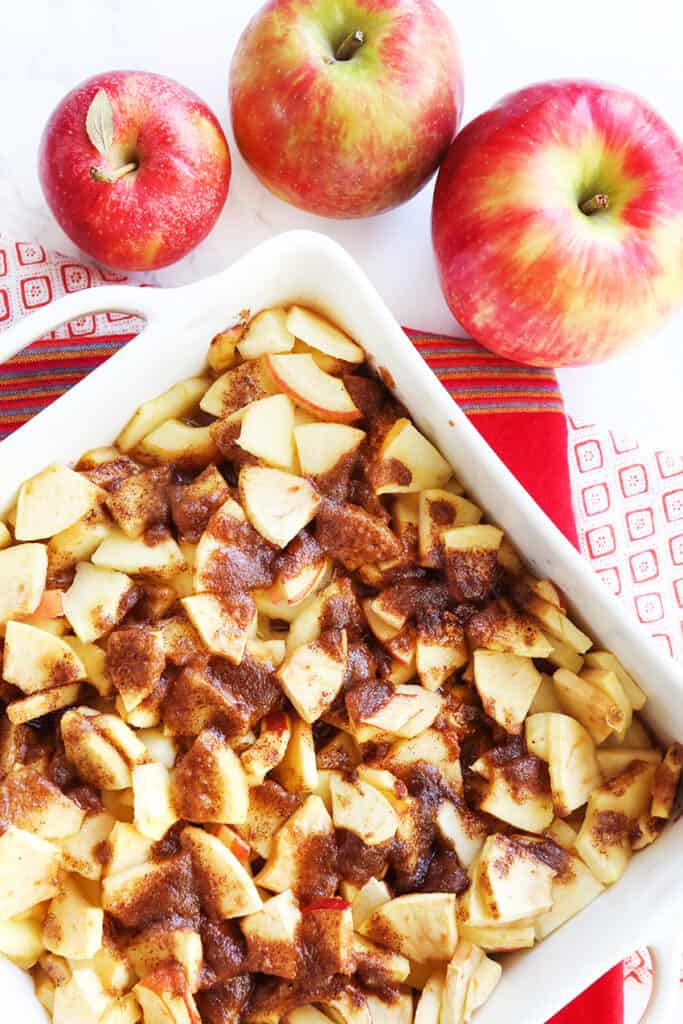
(156, 191)
(346, 107)
(558, 223)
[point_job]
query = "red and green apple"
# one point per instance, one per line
(135, 168)
(345, 108)
(558, 223)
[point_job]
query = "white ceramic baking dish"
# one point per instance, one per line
(644, 907)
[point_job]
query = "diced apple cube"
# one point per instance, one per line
(158, 944)
(274, 937)
(266, 332)
(269, 749)
(407, 461)
(178, 401)
(511, 883)
(29, 871)
(605, 660)
(281, 870)
(507, 685)
(420, 926)
(33, 803)
(73, 927)
(278, 504)
(298, 770)
(52, 501)
(181, 444)
(362, 809)
(165, 996)
(210, 784)
(428, 1009)
(300, 377)
(267, 431)
(140, 501)
(557, 624)
(313, 674)
(154, 810)
(42, 703)
(35, 660)
(459, 976)
(320, 334)
(325, 447)
(81, 999)
(21, 941)
(23, 570)
(226, 888)
(248, 382)
(439, 511)
(162, 558)
(589, 704)
(573, 890)
(96, 600)
(224, 626)
(615, 760)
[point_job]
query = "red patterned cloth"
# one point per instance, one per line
(517, 409)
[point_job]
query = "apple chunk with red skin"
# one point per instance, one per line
(335, 106)
(558, 223)
(138, 179)
(322, 394)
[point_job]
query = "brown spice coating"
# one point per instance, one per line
(353, 536)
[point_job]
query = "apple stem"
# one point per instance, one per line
(350, 46)
(595, 203)
(109, 177)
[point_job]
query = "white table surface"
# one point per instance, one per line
(47, 46)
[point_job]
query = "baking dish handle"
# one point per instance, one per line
(666, 981)
(109, 298)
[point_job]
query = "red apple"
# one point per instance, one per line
(135, 168)
(346, 107)
(558, 223)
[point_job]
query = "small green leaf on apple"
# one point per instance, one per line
(99, 122)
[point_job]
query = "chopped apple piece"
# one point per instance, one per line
(522, 798)
(302, 379)
(95, 754)
(267, 332)
(428, 1009)
(605, 660)
(161, 558)
(564, 656)
(310, 822)
(613, 761)
(225, 886)
(81, 999)
(269, 808)
(34, 660)
(158, 944)
(140, 501)
(298, 770)
(248, 382)
(505, 938)
(21, 942)
(93, 659)
(177, 442)
(484, 981)
(408, 711)
(435, 747)
(154, 811)
(42, 703)
(125, 1010)
(73, 926)
(79, 852)
(545, 698)
(23, 570)
(589, 704)
(134, 662)
(96, 600)
(498, 628)
(512, 885)
(224, 626)
(52, 501)
(33, 803)
(77, 542)
(557, 624)
(29, 871)
(313, 674)
(362, 809)
(574, 770)
(419, 926)
(269, 749)
(573, 889)
(459, 976)
(273, 936)
(165, 996)
(178, 401)
(507, 685)
(471, 560)
(278, 504)
(210, 784)
(614, 810)
(666, 782)
(268, 431)
(461, 829)
(408, 462)
(126, 848)
(439, 511)
(326, 447)
(369, 898)
(320, 334)
(608, 683)
(222, 350)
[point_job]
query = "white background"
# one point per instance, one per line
(47, 46)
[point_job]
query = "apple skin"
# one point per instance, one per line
(522, 268)
(346, 138)
(163, 209)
